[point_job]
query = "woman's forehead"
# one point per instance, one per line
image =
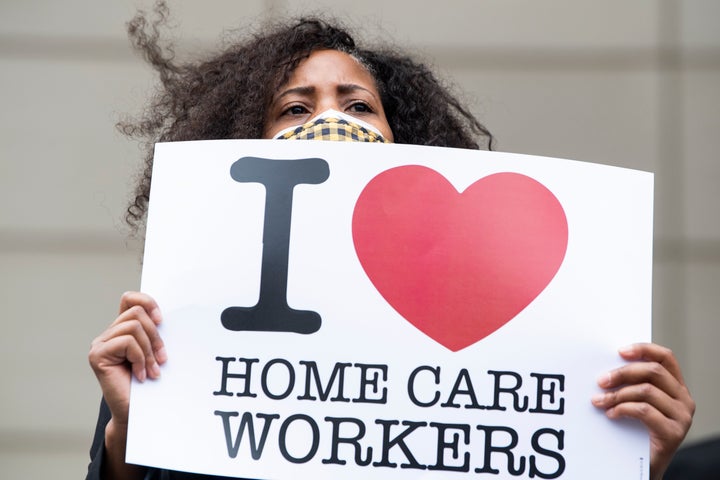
(330, 66)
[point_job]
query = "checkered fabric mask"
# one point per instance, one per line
(333, 125)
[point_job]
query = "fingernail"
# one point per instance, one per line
(627, 350)
(161, 355)
(141, 376)
(598, 398)
(604, 380)
(156, 315)
(155, 370)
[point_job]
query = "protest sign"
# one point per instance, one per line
(344, 310)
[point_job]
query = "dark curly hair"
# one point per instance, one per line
(227, 95)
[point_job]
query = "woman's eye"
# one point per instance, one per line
(296, 110)
(360, 107)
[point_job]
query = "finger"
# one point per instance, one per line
(134, 328)
(121, 349)
(640, 410)
(641, 393)
(138, 313)
(667, 434)
(137, 357)
(652, 352)
(130, 299)
(643, 372)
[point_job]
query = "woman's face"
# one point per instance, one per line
(327, 79)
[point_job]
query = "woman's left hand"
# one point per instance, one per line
(651, 389)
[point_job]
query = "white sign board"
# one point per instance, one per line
(343, 310)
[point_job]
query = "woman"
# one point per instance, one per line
(262, 87)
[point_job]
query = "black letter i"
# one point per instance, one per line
(272, 313)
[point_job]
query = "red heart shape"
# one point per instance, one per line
(458, 266)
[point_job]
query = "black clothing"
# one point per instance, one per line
(97, 453)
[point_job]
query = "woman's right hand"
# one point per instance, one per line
(131, 345)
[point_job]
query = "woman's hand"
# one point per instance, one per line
(651, 389)
(131, 345)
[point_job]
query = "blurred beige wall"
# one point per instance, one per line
(633, 84)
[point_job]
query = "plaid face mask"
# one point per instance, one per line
(333, 125)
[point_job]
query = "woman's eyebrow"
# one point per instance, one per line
(345, 88)
(297, 90)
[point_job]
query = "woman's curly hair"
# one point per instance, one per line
(227, 95)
